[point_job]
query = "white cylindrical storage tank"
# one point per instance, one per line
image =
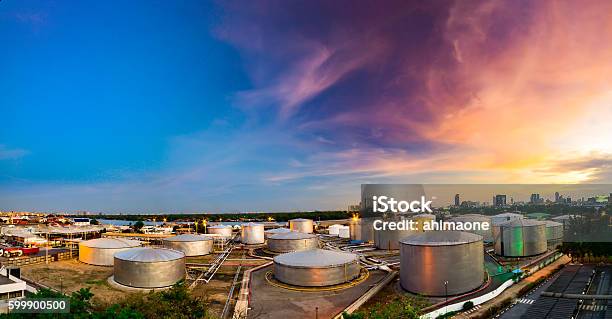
(275, 231)
(190, 244)
(520, 238)
(252, 234)
(390, 239)
(429, 259)
(223, 230)
(554, 234)
(316, 268)
(149, 267)
(101, 251)
(302, 225)
(487, 235)
(344, 232)
(292, 241)
(334, 229)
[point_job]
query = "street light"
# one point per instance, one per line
(446, 295)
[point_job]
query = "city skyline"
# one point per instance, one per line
(212, 106)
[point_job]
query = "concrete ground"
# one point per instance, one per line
(269, 301)
(524, 302)
(512, 292)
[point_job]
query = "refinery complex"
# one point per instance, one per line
(304, 268)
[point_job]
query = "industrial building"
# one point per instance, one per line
(223, 230)
(252, 234)
(316, 267)
(101, 251)
(520, 238)
(275, 231)
(292, 241)
(487, 235)
(149, 267)
(190, 244)
(441, 263)
(302, 225)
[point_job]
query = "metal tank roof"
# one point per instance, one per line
(110, 243)
(279, 230)
(188, 237)
(251, 224)
(149, 255)
(315, 258)
(300, 220)
(425, 216)
(441, 238)
(292, 235)
(220, 226)
(522, 223)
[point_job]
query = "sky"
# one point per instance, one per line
(196, 106)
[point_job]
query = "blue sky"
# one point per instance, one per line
(167, 106)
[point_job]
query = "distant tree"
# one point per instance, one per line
(138, 226)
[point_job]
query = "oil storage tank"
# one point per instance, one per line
(429, 259)
(554, 234)
(190, 244)
(101, 251)
(149, 267)
(223, 230)
(390, 239)
(316, 267)
(302, 225)
(487, 235)
(362, 229)
(334, 229)
(275, 231)
(252, 234)
(520, 238)
(344, 232)
(292, 241)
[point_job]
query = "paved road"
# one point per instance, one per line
(521, 305)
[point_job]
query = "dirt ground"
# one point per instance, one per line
(72, 275)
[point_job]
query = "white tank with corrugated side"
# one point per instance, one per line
(101, 251)
(149, 267)
(334, 229)
(520, 238)
(252, 234)
(316, 268)
(505, 217)
(275, 231)
(302, 225)
(344, 232)
(223, 230)
(190, 244)
(292, 241)
(439, 263)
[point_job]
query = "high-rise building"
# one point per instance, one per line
(457, 202)
(556, 197)
(499, 200)
(535, 198)
(610, 198)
